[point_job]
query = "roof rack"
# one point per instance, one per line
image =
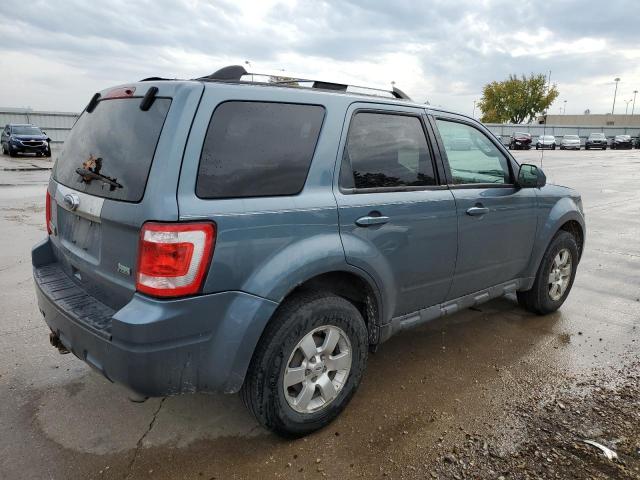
(234, 73)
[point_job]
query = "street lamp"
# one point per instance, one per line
(633, 108)
(564, 110)
(474, 109)
(626, 110)
(617, 79)
(248, 64)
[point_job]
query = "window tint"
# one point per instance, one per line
(257, 149)
(109, 151)
(472, 157)
(386, 151)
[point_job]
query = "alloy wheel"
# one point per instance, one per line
(560, 274)
(317, 369)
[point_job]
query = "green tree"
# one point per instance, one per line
(516, 100)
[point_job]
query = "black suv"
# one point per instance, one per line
(25, 138)
(596, 140)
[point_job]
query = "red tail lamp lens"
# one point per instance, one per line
(174, 258)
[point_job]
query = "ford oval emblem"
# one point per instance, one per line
(71, 200)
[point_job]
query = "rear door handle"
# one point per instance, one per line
(369, 220)
(477, 211)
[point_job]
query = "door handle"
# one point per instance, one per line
(369, 220)
(477, 211)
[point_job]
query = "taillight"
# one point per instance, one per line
(173, 258)
(47, 212)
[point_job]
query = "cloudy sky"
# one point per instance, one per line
(55, 55)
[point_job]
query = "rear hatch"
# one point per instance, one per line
(118, 169)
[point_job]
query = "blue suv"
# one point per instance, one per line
(225, 235)
(24, 138)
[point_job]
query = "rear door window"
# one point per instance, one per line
(109, 151)
(256, 149)
(386, 151)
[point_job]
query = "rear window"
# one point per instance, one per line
(109, 151)
(256, 149)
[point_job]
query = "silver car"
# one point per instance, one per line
(546, 141)
(570, 142)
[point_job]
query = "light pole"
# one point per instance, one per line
(564, 110)
(474, 109)
(633, 108)
(613, 109)
(248, 64)
(626, 110)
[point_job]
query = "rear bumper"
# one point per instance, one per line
(159, 347)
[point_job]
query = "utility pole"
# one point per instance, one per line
(474, 109)
(613, 109)
(564, 110)
(633, 108)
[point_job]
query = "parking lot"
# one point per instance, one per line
(489, 392)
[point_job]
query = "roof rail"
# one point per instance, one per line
(234, 73)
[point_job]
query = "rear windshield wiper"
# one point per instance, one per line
(88, 175)
(90, 170)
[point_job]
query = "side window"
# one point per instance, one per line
(386, 150)
(472, 157)
(256, 149)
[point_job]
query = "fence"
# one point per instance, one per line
(56, 124)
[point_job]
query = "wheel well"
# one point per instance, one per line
(352, 288)
(575, 229)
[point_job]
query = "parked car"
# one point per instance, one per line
(24, 138)
(209, 241)
(519, 141)
(596, 140)
(570, 142)
(638, 141)
(621, 142)
(546, 141)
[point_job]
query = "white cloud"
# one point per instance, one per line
(54, 55)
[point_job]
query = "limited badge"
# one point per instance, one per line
(124, 270)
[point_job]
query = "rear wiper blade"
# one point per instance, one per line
(87, 175)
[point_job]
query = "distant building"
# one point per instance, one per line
(593, 120)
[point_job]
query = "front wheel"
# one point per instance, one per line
(555, 276)
(307, 365)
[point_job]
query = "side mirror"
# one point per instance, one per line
(530, 176)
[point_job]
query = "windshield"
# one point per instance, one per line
(109, 151)
(546, 137)
(25, 130)
(520, 134)
(623, 137)
(571, 137)
(597, 135)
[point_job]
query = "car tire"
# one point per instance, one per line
(546, 297)
(12, 153)
(4, 150)
(283, 409)
(553, 147)
(537, 147)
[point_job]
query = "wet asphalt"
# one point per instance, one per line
(423, 389)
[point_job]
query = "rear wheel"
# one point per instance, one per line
(555, 276)
(308, 364)
(12, 153)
